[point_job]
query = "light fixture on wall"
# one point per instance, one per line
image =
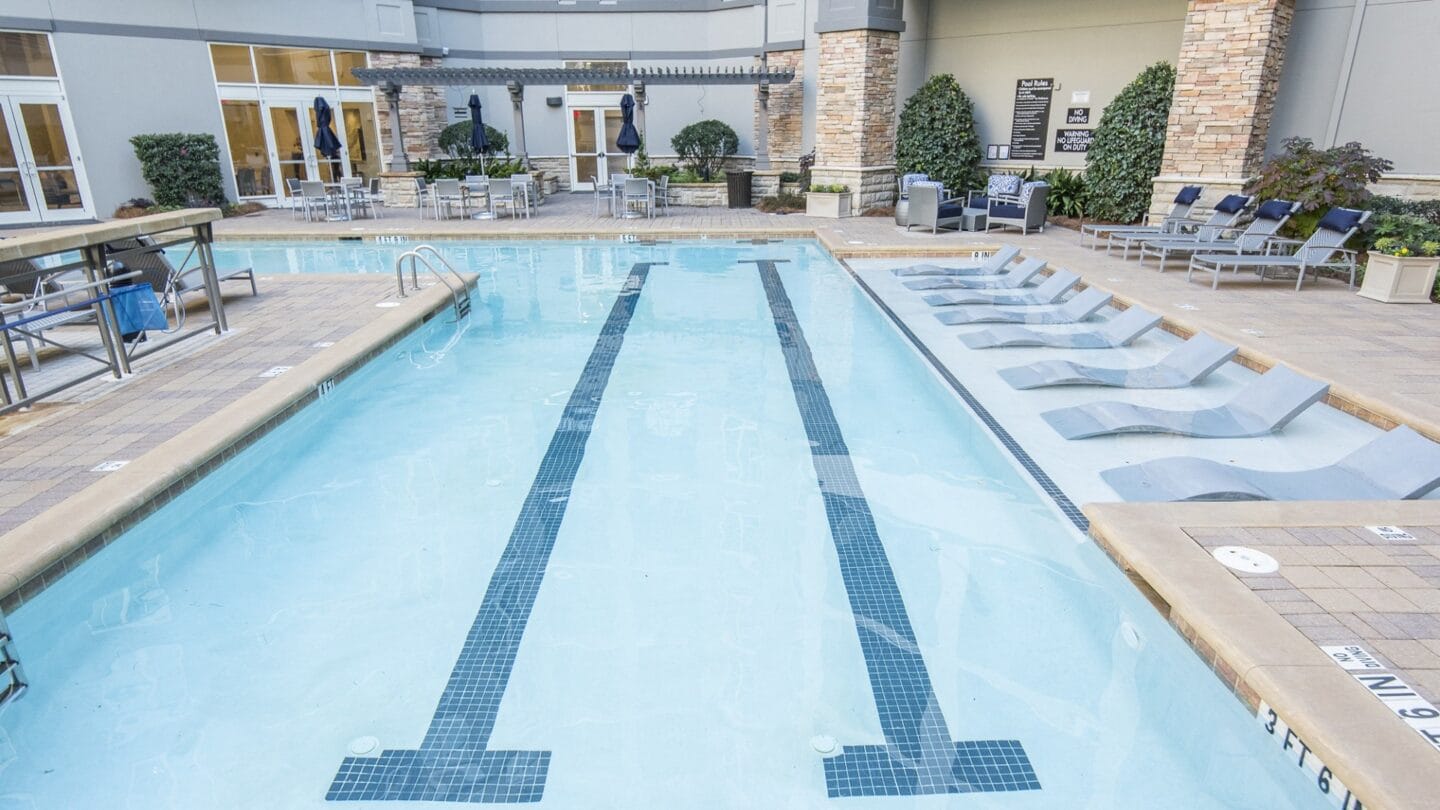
(554, 101)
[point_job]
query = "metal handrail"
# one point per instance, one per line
(418, 256)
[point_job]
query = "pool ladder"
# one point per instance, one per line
(11, 675)
(428, 256)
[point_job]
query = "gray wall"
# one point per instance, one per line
(1094, 45)
(1382, 93)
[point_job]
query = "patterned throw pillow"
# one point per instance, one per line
(909, 180)
(1003, 185)
(1026, 190)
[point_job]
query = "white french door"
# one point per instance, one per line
(42, 178)
(290, 130)
(593, 153)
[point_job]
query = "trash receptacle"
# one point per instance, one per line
(737, 185)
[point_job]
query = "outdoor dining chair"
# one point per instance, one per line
(422, 195)
(639, 194)
(314, 198)
(662, 193)
(502, 193)
(524, 187)
(297, 205)
(447, 195)
(602, 194)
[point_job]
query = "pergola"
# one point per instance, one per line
(392, 80)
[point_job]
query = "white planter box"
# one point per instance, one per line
(1399, 280)
(834, 206)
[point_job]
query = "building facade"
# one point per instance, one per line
(79, 78)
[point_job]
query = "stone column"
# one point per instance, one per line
(421, 107)
(855, 100)
(1226, 78)
(783, 112)
(517, 104)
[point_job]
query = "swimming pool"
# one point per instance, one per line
(612, 543)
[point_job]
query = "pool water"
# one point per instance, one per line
(654, 528)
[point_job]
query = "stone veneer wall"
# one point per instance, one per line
(1227, 76)
(787, 111)
(855, 114)
(422, 109)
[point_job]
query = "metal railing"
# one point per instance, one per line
(12, 677)
(427, 256)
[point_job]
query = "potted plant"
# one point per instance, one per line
(828, 201)
(1402, 263)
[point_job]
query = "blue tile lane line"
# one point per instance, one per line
(1062, 501)
(918, 756)
(452, 763)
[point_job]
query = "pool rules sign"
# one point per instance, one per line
(1031, 121)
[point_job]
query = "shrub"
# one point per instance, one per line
(833, 188)
(936, 134)
(1404, 235)
(460, 168)
(781, 204)
(183, 169)
(1129, 142)
(1068, 193)
(652, 172)
(789, 177)
(704, 145)
(455, 141)
(1318, 179)
(1428, 210)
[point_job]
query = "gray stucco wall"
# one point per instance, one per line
(1383, 96)
(1094, 45)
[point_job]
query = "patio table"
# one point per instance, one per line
(475, 188)
(341, 197)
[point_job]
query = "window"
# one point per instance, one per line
(344, 61)
(249, 157)
(24, 54)
(361, 143)
(592, 64)
(294, 66)
(232, 63)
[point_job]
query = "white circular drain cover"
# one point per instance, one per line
(364, 745)
(823, 743)
(1246, 560)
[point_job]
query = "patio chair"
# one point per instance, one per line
(1401, 465)
(1190, 362)
(1324, 250)
(33, 332)
(998, 185)
(502, 193)
(523, 184)
(1121, 330)
(1226, 214)
(1082, 305)
(927, 209)
(906, 180)
(297, 203)
(1018, 276)
(315, 199)
(374, 197)
(662, 193)
(422, 196)
(991, 266)
(1048, 292)
(1178, 218)
(156, 268)
(1270, 217)
(1025, 210)
(638, 195)
(1265, 406)
(446, 195)
(602, 194)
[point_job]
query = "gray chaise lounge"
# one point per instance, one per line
(1082, 305)
(1270, 217)
(1178, 217)
(1190, 362)
(991, 266)
(1322, 251)
(1121, 330)
(1266, 406)
(1018, 276)
(1048, 292)
(1227, 212)
(1400, 465)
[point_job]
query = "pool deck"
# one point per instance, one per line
(1339, 583)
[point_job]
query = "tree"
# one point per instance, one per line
(936, 135)
(704, 145)
(182, 168)
(1129, 142)
(455, 141)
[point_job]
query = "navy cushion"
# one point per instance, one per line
(1232, 204)
(1188, 195)
(951, 211)
(1007, 211)
(1339, 220)
(1273, 209)
(979, 202)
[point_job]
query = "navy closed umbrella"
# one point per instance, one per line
(628, 141)
(478, 142)
(325, 141)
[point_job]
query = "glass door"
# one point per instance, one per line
(40, 176)
(292, 129)
(593, 153)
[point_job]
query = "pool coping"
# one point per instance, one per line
(1256, 652)
(43, 549)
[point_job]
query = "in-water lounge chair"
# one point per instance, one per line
(1266, 406)
(1178, 217)
(1018, 276)
(1398, 466)
(1121, 330)
(1190, 362)
(991, 266)
(1270, 217)
(1226, 214)
(1049, 292)
(1082, 305)
(1324, 250)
